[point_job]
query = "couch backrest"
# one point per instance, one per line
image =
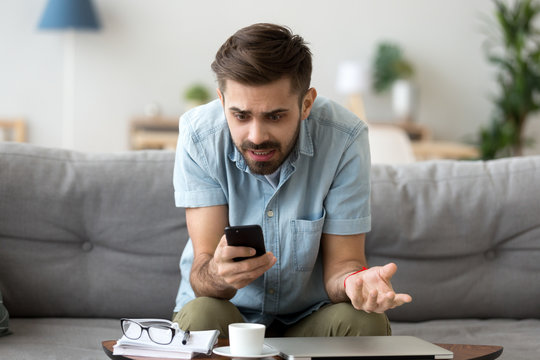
(465, 237)
(98, 234)
(88, 234)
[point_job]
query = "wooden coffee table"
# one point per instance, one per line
(461, 352)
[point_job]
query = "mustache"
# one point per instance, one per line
(248, 145)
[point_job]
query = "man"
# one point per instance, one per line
(270, 153)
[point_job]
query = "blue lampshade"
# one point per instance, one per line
(64, 14)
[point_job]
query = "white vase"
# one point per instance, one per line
(403, 99)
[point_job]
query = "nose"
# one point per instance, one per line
(257, 132)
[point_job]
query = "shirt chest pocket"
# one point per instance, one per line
(306, 236)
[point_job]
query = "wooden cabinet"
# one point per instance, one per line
(153, 133)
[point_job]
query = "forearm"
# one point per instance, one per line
(205, 281)
(342, 256)
(205, 227)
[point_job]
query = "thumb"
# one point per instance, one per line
(388, 270)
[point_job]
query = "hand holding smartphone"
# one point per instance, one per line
(246, 235)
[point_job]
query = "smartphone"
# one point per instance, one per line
(246, 235)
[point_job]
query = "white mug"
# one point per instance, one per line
(246, 339)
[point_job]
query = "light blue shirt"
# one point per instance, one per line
(324, 187)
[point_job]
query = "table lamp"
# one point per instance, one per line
(68, 16)
(352, 80)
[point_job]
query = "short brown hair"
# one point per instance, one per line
(262, 53)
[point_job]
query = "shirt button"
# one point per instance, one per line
(270, 213)
(271, 291)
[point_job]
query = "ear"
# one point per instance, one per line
(221, 97)
(307, 102)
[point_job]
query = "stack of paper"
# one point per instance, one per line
(199, 342)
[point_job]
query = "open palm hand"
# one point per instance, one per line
(371, 290)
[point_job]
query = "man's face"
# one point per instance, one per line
(264, 121)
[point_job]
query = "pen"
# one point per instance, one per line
(186, 337)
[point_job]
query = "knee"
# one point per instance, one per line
(341, 319)
(347, 321)
(207, 313)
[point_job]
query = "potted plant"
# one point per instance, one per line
(393, 71)
(197, 94)
(515, 51)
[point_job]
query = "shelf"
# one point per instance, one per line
(153, 133)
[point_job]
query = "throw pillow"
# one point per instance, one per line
(4, 319)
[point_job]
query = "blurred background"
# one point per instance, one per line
(145, 62)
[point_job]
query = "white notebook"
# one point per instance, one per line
(199, 342)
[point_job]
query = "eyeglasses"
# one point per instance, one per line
(161, 332)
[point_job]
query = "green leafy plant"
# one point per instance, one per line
(198, 94)
(389, 65)
(515, 52)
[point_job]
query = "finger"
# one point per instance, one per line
(250, 265)
(388, 271)
(371, 303)
(387, 301)
(219, 253)
(359, 302)
(263, 263)
(223, 241)
(230, 268)
(239, 252)
(401, 299)
(241, 280)
(354, 291)
(222, 244)
(237, 277)
(357, 282)
(242, 273)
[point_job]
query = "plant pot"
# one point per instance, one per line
(403, 99)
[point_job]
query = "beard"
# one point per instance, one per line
(281, 152)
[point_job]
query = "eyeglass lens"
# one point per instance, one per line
(160, 334)
(131, 330)
(157, 333)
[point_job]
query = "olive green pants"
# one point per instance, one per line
(340, 319)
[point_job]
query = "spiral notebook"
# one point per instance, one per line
(200, 342)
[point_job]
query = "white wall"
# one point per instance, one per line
(151, 50)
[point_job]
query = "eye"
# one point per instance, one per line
(240, 116)
(275, 117)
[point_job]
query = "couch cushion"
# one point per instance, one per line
(465, 237)
(88, 234)
(518, 337)
(59, 339)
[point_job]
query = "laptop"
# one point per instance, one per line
(357, 347)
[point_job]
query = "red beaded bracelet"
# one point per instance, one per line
(356, 272)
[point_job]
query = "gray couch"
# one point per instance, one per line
(88, 238)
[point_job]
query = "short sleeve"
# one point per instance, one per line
(194, 186)
(347, 204)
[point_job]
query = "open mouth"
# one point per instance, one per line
(261, 155)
